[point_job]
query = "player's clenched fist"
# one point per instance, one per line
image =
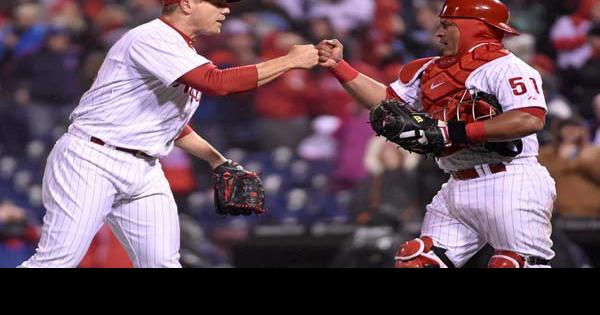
(331, 52)
(304, 56)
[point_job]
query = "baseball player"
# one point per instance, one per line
(498, 193)
(106, 168)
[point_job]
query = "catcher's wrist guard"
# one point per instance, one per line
(457, 131)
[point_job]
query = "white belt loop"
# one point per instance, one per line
(486, 169)
(480, 170)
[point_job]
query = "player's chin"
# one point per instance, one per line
(216, 29)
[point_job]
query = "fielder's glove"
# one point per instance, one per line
(415, 132)
(237, 191)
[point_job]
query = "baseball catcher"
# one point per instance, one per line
(477, 108)
(237, 191)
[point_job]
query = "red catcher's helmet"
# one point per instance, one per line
(492, 12)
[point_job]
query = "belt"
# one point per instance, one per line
(136, 153)
(471, 173)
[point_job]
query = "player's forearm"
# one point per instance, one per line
(511, 125)
(200, 148)
(272, 69)
(367, 91)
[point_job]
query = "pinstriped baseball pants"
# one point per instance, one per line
(86, 185)
(510, 210)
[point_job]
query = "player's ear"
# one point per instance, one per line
(186, 5)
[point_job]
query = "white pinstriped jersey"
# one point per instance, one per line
(514, 83)
(135, 101)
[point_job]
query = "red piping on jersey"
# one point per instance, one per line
(211, 80)
(186, 131)
(187, 39)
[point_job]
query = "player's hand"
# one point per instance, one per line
(304, 56)
(331, 52)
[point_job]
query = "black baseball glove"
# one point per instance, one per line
(237, 191)
(415, 132)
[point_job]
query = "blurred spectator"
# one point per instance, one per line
(17, 235)
(68, 14)
(178, 170)
(595, 123)
(573, 163)
(49, 83)
(143, 11)
(283, 105)
(320, 145)
(352, 140)
(523, 46)
(568, 35)
(14, 129)
(586, 80)
(388, 195)
(422, 41)
(111, 23)
(25, 35)
(345, 15)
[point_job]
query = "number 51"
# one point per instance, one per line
(519, 87)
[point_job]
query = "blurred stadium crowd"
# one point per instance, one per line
(325, 173)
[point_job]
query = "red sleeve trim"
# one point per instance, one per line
(535, 111)
(186, 131)
(211, 80)
(344, 72)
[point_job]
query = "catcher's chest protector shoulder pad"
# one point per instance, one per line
(411, 71)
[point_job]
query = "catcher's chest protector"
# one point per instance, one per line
(443, 81)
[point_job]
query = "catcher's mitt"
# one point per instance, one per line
(237, 191)
(415, 132)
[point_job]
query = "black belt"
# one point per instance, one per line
(533, 260)
(136, 153)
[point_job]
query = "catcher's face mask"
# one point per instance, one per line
(469, 105)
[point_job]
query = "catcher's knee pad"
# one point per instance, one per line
(421, 253)
(510, 259)
(506, 259)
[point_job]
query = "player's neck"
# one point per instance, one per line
(180, 25)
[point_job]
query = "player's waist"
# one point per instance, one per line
(99, 141)
(486, 169)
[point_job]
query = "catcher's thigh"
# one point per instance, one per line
(77, 199)
(459, 240)
(513, 209)
(148, 227)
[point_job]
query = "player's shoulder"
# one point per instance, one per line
(411, 71)
(507, 65)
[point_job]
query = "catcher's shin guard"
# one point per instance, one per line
(421, 253)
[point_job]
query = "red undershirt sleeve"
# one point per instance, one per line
(211, 80)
